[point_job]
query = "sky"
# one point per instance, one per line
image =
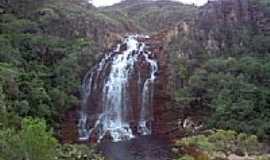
(99, 3)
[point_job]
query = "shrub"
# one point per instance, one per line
(78, 152)
(32, 142)
(223, 141)
(235, 90)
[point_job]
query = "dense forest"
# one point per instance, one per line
(218, 66)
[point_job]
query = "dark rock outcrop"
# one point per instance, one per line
(231, 24)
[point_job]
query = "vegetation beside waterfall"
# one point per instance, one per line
(40, 74)
(219, 145)
(235, 90)
(233, 83)
(229, 87)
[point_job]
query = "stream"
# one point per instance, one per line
(141, 148)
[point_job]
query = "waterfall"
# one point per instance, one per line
(118, 93)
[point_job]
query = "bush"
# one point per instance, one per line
(227, 142)
(32, 142)
(186, 157)
(235, 90)
(78, 152)
(40, 73)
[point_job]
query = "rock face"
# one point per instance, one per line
(163, 95)
(68, 130)
(233, 13)
(229, 12)
(222, 27)
(227, 24)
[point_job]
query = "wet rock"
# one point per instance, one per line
(218, 156)
(235, 157)
(68, 128)
(2, 11)
(123, 47)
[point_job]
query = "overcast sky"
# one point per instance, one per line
(99, 3)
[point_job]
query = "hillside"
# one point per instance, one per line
(152, 16)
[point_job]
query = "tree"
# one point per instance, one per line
(32, 142)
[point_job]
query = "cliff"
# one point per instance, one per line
(219, 28)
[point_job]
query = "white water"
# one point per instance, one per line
(108, 85)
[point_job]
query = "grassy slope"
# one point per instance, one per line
(152, 16)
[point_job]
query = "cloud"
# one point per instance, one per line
(197, 2)
(99, 3)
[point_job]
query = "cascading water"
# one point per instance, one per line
(118, 93)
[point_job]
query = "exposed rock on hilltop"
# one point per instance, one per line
(233, 26)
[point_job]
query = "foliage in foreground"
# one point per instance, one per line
(40, 73)
(78, 152)
(217, 145)
(34, 141)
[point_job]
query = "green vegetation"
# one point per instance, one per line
(78, 152)
(218, 145)
(40, 74)
(33, 141)
(235, 90)
(229, 84)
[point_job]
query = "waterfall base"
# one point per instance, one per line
(142, 148)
